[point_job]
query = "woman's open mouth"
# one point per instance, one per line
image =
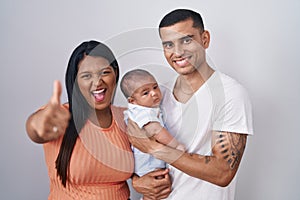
(99, 95)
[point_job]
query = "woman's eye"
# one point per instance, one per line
(105, 72)
(86, 76)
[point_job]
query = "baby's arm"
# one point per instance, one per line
(162, 135)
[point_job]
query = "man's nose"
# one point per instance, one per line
(178, 50)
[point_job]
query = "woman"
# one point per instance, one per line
(87, 151)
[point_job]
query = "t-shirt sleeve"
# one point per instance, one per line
(235, 113)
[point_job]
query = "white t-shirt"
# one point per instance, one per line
(220, 104)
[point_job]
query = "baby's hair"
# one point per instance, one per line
(131, 78)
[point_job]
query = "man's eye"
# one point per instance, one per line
(168, 45)
(187, 40)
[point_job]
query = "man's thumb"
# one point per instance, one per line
(55, 99)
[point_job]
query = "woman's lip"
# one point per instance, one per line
(98, 91)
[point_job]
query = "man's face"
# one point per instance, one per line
(184, 46)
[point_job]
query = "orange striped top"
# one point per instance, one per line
(101, 163)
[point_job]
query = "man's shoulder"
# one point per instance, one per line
(230, 84)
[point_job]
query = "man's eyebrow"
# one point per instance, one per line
(182, 38)
(166, 42)
(186, 37)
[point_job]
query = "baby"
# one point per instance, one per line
(144, 97)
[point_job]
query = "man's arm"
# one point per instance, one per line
(218, 168)
(162, 135)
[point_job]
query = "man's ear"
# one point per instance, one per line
(205, 36)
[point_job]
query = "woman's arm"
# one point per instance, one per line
(50, 122)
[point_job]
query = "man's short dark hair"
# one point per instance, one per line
(180, 15)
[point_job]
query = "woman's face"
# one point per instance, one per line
(97, 81)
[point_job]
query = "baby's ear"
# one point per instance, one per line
(130, 100)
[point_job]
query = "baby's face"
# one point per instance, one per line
(147, 93)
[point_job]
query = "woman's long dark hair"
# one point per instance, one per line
(78, 106)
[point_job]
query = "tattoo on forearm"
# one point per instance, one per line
(207, 159)
(232, 147)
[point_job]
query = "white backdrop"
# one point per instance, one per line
(256, 42)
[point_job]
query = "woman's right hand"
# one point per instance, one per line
(50, 122)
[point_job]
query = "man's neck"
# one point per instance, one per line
(187, 85)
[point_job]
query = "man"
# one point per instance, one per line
(207, 111)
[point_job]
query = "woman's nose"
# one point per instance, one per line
(97, 80)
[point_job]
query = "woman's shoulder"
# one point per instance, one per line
(118, 112)
(118, 109)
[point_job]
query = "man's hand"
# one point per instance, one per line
(152, 187)
(138, 137)
(50, 122)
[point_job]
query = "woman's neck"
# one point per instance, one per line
(102, 118)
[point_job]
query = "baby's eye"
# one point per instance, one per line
(145, 93)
